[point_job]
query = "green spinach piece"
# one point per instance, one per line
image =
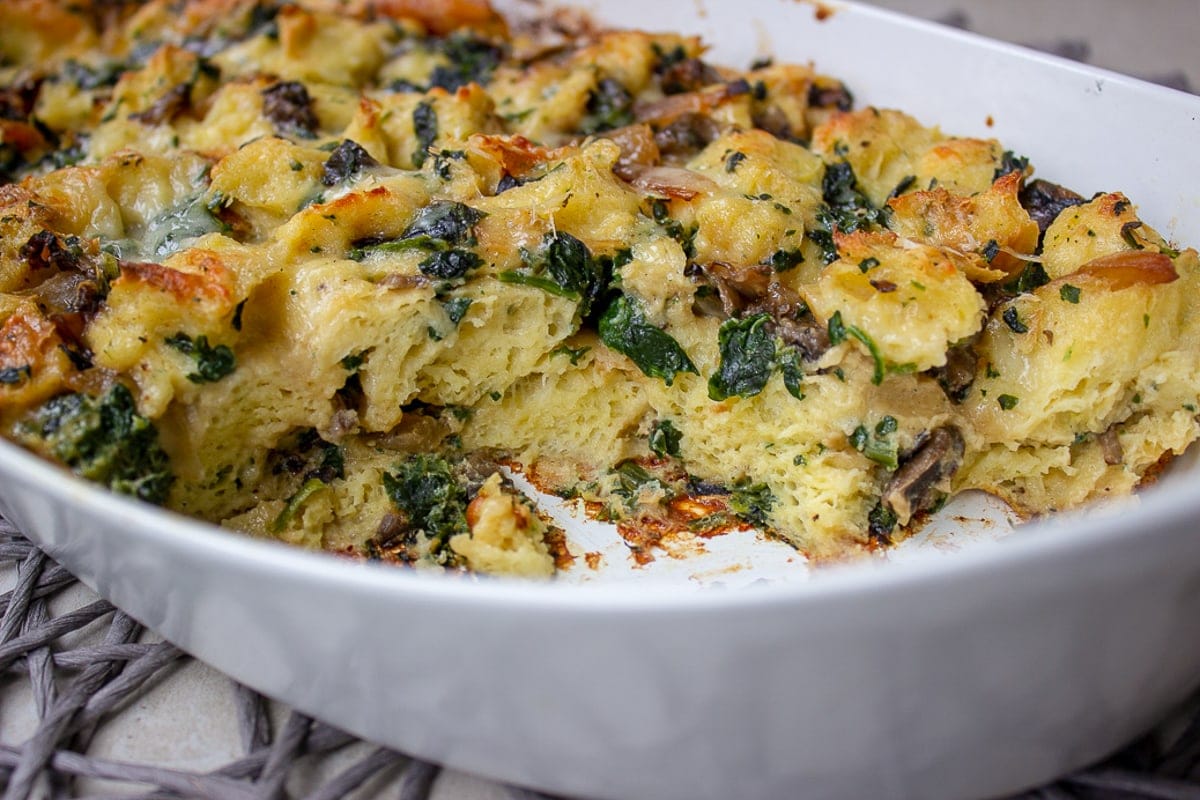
(752, 502)
(425, 128)
(665, 438)
(656, 354)
(431, 496)
(212, 363)
(747, 358)
(102, 439)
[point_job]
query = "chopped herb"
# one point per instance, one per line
(1069, 293)
(1033, 276)
(456, 308)
(1007, 401)
(656, 354)
(573, 354)
(1013, 320)
(665, 438)
(733, 160)
(352, 362)
(747, 358)
(886, 426)
(991, 250)
(799, 461)
(880, 448)
(212, 363)
(782, 260)
(868, 264)
(991, 371)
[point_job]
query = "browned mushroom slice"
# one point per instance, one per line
(958, 373)
(1045, 201)
(669, 182)
(1110, 446)
(921, 479)
(638, 149)
(687, 134)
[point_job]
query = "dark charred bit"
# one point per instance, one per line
(1110, 446)
(830, 96)
(289, 107)
(917, 485)
(1045, 201)
(688, 134)
(18, 99)
(688, 76)
(347, 159)
(958, 373)
(44, 250)
(176, 100)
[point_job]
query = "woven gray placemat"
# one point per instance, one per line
(85, 661)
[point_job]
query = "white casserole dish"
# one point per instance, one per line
(942, 674)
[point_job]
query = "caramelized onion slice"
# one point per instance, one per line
(1129, 268)
(668, 182)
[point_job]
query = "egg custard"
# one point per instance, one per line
(314, 270)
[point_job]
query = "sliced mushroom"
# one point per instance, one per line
(1110, 446)
(922, 477)
(958, 373)
(1045, 201)
(687, 134)
(638, 149)
(669, 182)
(688, 76)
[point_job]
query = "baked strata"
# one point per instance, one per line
(316, 270)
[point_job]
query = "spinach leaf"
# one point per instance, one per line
(751, 501)
(472, 60)
(665, 438)
(846, 208)
(449, 264)
(565, 267)
(610, 105)
(347, 160)
(747, 358)
(212, 363)
(656, 354)
(425, 128)
(448, 221)
(426, 489)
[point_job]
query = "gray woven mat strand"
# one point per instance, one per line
(77, 688)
